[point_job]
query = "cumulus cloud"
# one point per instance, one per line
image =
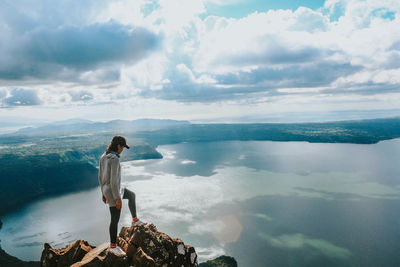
(44, 43)
(273, 37)
(85, 47)
(185, 87)
(46, 52)
(267, 53)
(21, 97)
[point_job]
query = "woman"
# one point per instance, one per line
(110, 184)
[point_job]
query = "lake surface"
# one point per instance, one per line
(265, 203)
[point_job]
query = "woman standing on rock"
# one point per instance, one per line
(110, 184)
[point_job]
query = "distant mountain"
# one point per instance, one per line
(18, 121)
(356, 132)
(80, 126)
(70, 121)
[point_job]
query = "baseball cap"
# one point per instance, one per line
(120, 140)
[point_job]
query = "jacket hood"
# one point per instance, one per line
(112, 154)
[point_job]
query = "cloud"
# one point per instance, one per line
(21, 97)
(178, 14)
(235, 59)
(309, 20)
(284, 38)
(45, 52)
(68, 48)
(3, 93)
(81, 96)
(84, 47)
(103, 75)
(185, 85)
(310, 75)
(187, 161)
(53, 41)
(174, 51)
(274, 53)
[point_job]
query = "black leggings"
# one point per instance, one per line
(115, 214)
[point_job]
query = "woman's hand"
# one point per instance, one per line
(118, 204)
(104, 199)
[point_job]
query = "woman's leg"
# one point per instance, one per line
(128, 194)
(115, 214)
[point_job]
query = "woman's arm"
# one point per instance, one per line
(100, 177)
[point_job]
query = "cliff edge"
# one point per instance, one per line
(144, 245)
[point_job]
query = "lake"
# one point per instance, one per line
(264, 203)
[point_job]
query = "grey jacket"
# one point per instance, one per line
(110, 177)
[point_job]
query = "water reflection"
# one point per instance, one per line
(305, 231)
(285, 157)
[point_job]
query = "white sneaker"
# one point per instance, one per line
(137, 223)
(117, 250)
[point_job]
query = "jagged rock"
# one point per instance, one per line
(221, 261)
(143, 245)
(67, 256)
(163, 249)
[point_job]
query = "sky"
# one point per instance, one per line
(199, 60)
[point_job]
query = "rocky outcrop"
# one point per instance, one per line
(221, 261)
(65, 256)
(144, 246)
